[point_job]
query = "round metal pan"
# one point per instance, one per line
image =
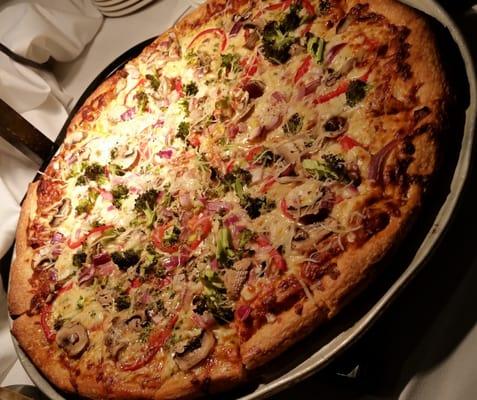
(330, 340)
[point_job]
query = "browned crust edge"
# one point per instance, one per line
(19, 288)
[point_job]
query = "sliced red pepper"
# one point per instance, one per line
(341, 89)
(278, 260)
(178, 86)
(158, 239)
(211, 31)
(252, 153)
(268, 184)
(194, 140)
(308, 7)
(230, 166)
(347, 142)
(262, 241)
(77, 243)
(251, 68)
(303, 68)
(284, 208)
(279, 6)
(45, 315)
(156, 340)
(135, 283)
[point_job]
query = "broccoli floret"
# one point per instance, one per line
(123, 302)
(142, 101)
(276, 44)
(184, 104)
(183, 130)
(85, 205)
(316, 47)
(115, 169)
(171, 235)
(292, 20)
(146, 200)
(79, 259)
(238, 174)
(215, 299)
(356, 92)
(324, 7)
(125, 259)
(244, 237)
(332, 167)
(191, 89)
(256, 205)
(293, 125)
(119, 193)
(230, 62)
(94, 171)
(224, 253)
(155, 83)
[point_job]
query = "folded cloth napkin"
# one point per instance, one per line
(36, 30)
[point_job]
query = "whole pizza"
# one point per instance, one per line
(225, 193)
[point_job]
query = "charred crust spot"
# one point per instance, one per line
(407, 147)
(313, 272)
(382, 50)
(375, 221)
(421, 113)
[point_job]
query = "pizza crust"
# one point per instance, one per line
(271, 339)
(19, 292)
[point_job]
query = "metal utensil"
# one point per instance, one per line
(24, 136)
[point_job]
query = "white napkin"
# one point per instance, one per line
(36, 30)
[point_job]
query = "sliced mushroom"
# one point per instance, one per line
(305, 241)
(289, 151)
(252, 39)
(105, 298)
(235, 277)
(63, 211)
(196, 351)
(254, 88)
(319, 211)
(73, 339)
(118, 336)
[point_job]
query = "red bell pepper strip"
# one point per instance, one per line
(268, 184)
(303, 68)
(278, 260)
(252, 153)
(347, 142)
(284, 209)
(341, 89)
(156, 341)
(308, 7)
(279, 6)
(45, 315)
(77, 243)
(211, 31)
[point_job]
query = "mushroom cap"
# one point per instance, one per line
(190, 358)
(72, 338)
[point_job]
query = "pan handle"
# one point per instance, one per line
(24, 136)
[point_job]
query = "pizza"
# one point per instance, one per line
(225, 193)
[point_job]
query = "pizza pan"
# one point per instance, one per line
(329, 341)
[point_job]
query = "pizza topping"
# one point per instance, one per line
(355, 92)
(73, 339)
(195, 351)
(335, 126)
(63, 212)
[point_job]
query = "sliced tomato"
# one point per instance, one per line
(347, 142)
(284, 208)
(230, 166)
(341, 89)
(303, 68)
(251, 67)
(156, 340)
(158, 239)
(211, 31)
(178, 86)
(262, 241)
(135, 283)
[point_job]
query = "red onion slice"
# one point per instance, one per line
(243, 312)
(101, 258)
(333, 52)
(376, 165)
